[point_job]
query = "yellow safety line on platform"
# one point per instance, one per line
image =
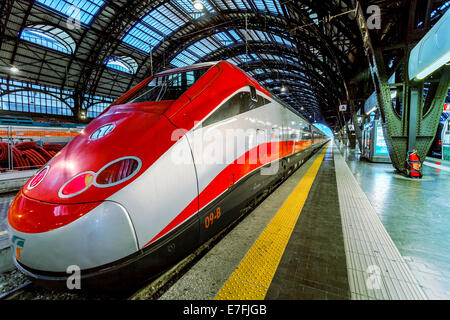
(251, 279)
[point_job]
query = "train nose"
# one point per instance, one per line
(101, 236)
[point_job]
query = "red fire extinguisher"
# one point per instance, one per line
(413, 161)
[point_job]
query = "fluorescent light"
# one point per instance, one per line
(371, 110)
(14, 69)
(433, 67)
(198, 5)
(432, 51)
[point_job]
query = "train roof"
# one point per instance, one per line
(203, 65)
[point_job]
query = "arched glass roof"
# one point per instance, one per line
(86, 10)
(50, 37)
(195, 52)
(200, 49)
(296, 44)
(162, 21)
(272, 6)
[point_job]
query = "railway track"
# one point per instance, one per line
(16, 292)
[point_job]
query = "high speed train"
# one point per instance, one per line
(166, 167)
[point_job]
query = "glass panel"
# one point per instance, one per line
(239, 103)
(188, 8)
(124, 64)
(229, 109)
(88, 8)
(47, 100)
(169, 87)
(50, 37)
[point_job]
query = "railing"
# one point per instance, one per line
(25, 148)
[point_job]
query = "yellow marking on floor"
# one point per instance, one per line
(252, 278)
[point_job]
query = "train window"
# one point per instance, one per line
(168, 87)
(239, 103)
(258, 103)
(250, 104)
(118, 171)
(229, 109)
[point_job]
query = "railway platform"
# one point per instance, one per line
(13, 181)
(338, 228)
(10, 183)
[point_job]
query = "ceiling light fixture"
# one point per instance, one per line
(198, 5)
(14, 69)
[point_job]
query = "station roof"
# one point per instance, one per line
(305, 51)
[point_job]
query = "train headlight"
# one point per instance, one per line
(118, 171)
(40, 175)
(77, 184)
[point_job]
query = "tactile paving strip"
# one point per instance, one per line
(376, 269)
(252, 278)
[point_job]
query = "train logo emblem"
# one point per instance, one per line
(18, 243)
(103, 131)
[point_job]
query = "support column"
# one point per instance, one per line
(358, 132)
(351, 137)
(413, 121)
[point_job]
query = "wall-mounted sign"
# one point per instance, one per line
(380, 143)
(343, 107)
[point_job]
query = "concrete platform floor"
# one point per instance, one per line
(416, 214)
(315, 264)
(204, 280)
(5, 201)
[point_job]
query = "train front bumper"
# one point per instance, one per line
(99, 237)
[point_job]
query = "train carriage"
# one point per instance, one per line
(162, 170)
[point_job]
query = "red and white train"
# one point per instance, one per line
(155, 176)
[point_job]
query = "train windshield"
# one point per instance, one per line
(168, 87)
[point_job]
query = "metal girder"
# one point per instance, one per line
(313, 29)
(274, 64)
(295, 80)
(192, 32)
(415, 126)
(299, 88)
(290, 66)
(5, 11)
(258, 47)
(195, 31)
(321, 58)
(106, 45)
(412, 128)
